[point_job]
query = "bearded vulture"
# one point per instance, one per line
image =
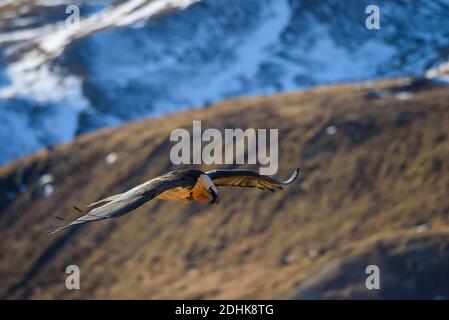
(186, 185)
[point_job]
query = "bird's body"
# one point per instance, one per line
(192, 190)
(185, 185)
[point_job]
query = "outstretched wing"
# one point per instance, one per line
(123, 203)
(109, 210)
(103, 201)
(248, 178)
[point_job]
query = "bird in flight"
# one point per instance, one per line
(186, 185)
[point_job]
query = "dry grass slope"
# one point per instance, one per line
(375, 192)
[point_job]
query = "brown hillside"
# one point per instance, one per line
(375, 192)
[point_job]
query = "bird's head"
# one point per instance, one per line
(206, 190)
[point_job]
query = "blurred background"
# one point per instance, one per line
(363, 112)
(127, 62)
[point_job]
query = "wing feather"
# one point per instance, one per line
(123, 203)
(248, 178)
(103, 201)
(109, 210)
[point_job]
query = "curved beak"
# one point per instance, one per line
(215, 198)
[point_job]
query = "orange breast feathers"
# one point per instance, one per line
(200, 192)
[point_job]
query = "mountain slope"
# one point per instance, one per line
(86, 79)
(374, 160)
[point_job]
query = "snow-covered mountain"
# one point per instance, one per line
(137, 58)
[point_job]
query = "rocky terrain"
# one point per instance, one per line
(374, 161)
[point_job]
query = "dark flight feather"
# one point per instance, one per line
(120, 204)
(248, 178)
